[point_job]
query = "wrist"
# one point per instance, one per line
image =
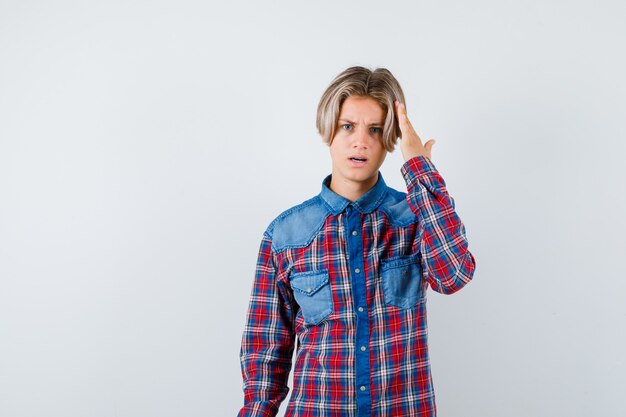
(408, 155)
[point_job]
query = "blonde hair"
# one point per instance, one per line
(379, 84)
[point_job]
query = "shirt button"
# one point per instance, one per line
(360, 309)
(309, 289)
(354, 233)
(357, 270)
(362, 388)
(363, 348)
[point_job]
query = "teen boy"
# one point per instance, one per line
(345, 273)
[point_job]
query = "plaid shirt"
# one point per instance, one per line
(348, 281)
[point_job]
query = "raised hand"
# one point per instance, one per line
(410, 143)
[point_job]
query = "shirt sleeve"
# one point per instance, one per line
(268, 340)
(448, 263)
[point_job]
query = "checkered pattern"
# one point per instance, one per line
(327, 373)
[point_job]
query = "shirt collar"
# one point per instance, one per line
(367, 203)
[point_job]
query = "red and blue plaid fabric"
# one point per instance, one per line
(346, 283)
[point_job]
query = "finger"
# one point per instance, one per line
(401, 112)
(403, 120)
(408, 126)
(396, 105)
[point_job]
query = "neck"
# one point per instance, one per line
(352, 190)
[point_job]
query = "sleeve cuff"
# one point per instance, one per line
(415, 167)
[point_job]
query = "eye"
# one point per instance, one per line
(349, 126)
(376, 130)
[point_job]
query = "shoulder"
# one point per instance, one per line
(396, 206)
(298, 225)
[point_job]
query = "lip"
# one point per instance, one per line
(358, 163)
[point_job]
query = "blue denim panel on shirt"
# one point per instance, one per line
(297, 226)
(312, 292)
(402, 281)
(397, 209)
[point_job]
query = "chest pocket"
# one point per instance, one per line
(402, 281)
(311, 290)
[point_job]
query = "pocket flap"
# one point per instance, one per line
(399, 261)
(310, 282)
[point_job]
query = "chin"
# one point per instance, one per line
(360, 176)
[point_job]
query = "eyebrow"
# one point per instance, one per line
(371, 124)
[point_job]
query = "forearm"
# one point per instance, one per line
(449, 264)
(267, 342)
(265, 369)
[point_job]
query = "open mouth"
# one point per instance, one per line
(358, 159)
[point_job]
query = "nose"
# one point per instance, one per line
(360, 137)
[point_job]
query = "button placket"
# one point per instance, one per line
(356, 259)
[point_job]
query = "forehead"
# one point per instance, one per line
(358, 108)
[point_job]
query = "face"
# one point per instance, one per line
(357, 149)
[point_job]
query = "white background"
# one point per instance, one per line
(146, 145)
